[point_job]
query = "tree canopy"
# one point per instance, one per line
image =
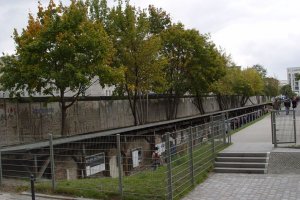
(60, 50)
(134, 35)
(287, 91)
(140, 51)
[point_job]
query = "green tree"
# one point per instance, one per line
(249, 83)
(208, 66)
(194, 64)
(223, 88)
(60, 50)
(271, 87)
(137, 53)
(159, 20)
(287, 91)
(178, 50)
(261, 70)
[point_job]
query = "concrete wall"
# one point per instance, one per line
(28, 122)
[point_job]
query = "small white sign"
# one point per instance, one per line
(95, 164)
(135, 158)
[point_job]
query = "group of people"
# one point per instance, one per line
(287, 104)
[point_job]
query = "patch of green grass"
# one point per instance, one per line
(147, 184)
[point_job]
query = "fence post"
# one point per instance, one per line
(169, 167)
(120, 166)
(274, 129)
(294, 122)
(1, 176)
(234, 120)
(242, 117)
(228, 127)
(212, 134)
(52, 161)
(191, 156)
(224, 128)
(32, 179)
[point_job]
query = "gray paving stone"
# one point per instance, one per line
(248, 187)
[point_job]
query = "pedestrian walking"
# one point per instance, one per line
(276, 106)
(294, 103)
(287, 105)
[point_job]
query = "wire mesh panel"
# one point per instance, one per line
(144, 170)
(193, 153)
(130, 166)
(89, 166)
(284, 126)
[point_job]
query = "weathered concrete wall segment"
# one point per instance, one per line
(28, 122)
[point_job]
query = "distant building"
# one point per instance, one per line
(291, 78)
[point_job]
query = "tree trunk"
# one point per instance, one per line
(171, 107)
(219, 100)
(244, 101)
(132, 104)
(199, 103)
(63, 117)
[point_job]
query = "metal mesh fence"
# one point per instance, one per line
(285, 126)
(149, 166)
(285, 132)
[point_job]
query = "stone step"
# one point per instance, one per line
(240, 165)
(242, 159)
(242, 154)
(240, 170)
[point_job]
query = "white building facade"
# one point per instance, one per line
(291, 79)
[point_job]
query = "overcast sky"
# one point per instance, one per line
(265, 32)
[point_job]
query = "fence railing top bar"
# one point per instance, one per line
(57, 141)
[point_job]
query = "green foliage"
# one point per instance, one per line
(224, 86)
(251, 83)
(64, 48)
(60, 50)
(287, 91)
(246, 83)
(297, 76)
(137, 49)
(159, 20)
(178, 49)
(194, 63)
(271, 87)
(261, 70)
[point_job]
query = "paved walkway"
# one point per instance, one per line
(248, 187)
(255, 138)
(9, 196)
(27, 196)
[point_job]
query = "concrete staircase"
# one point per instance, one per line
(250, 163)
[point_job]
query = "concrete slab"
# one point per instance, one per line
(254, 138)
